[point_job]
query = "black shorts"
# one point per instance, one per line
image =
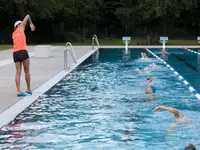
(20, 56)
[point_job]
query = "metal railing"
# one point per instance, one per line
(69, 49)
(95, 39)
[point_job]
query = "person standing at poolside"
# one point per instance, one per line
(20, 53)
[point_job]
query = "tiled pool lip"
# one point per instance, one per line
(9, 114)
(187, 84)
(153, 46)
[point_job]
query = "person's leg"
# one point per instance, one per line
(18, 66)
(26, 64)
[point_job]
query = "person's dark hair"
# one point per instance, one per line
(148, 78)
(190, 147)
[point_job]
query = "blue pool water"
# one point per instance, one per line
(101, 105)
(186, 63)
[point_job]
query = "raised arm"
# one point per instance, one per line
(24, 23)
(170, 109)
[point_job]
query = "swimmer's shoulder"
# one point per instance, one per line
(182, 119)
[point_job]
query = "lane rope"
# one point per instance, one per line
(187, 84)
(187, 49)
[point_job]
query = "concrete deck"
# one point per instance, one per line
(42, 70)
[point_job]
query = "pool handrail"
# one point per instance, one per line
(94, 38)
(187, 84)
(69, 48)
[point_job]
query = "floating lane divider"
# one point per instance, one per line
(187, 84)
(191, 51)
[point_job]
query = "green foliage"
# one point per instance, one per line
(83, 18)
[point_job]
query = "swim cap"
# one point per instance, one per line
(148, 90)
(190, 147)
(17, 23)
(140, 67)
(153, 88)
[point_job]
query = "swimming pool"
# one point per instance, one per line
(102, 105)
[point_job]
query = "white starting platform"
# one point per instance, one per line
(164, 40)
(43, 51)
(198, 39)
(126, 40)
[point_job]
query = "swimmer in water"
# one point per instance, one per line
(164, 51)
(163, 55)
(180, 118)
(190, 147)
(176, 113)
(150, 80)
(144, 56)
(154, 66)
(142, 69)
(151, 89)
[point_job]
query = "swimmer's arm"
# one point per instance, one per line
(170, 109)
(24, 22)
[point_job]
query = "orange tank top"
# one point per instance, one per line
(19, 40)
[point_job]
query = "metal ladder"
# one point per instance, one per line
(69, 49)
(95, 39)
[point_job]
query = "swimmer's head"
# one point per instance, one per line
(150, 90)
(190, 147)
(140, 67)
(152, 65)
(150, 79)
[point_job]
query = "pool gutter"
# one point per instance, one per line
(153, 46)
(9, 114)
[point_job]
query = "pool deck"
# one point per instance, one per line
(42, 71)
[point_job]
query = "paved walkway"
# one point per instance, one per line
(42, 70)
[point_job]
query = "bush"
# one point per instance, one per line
(72, 37)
